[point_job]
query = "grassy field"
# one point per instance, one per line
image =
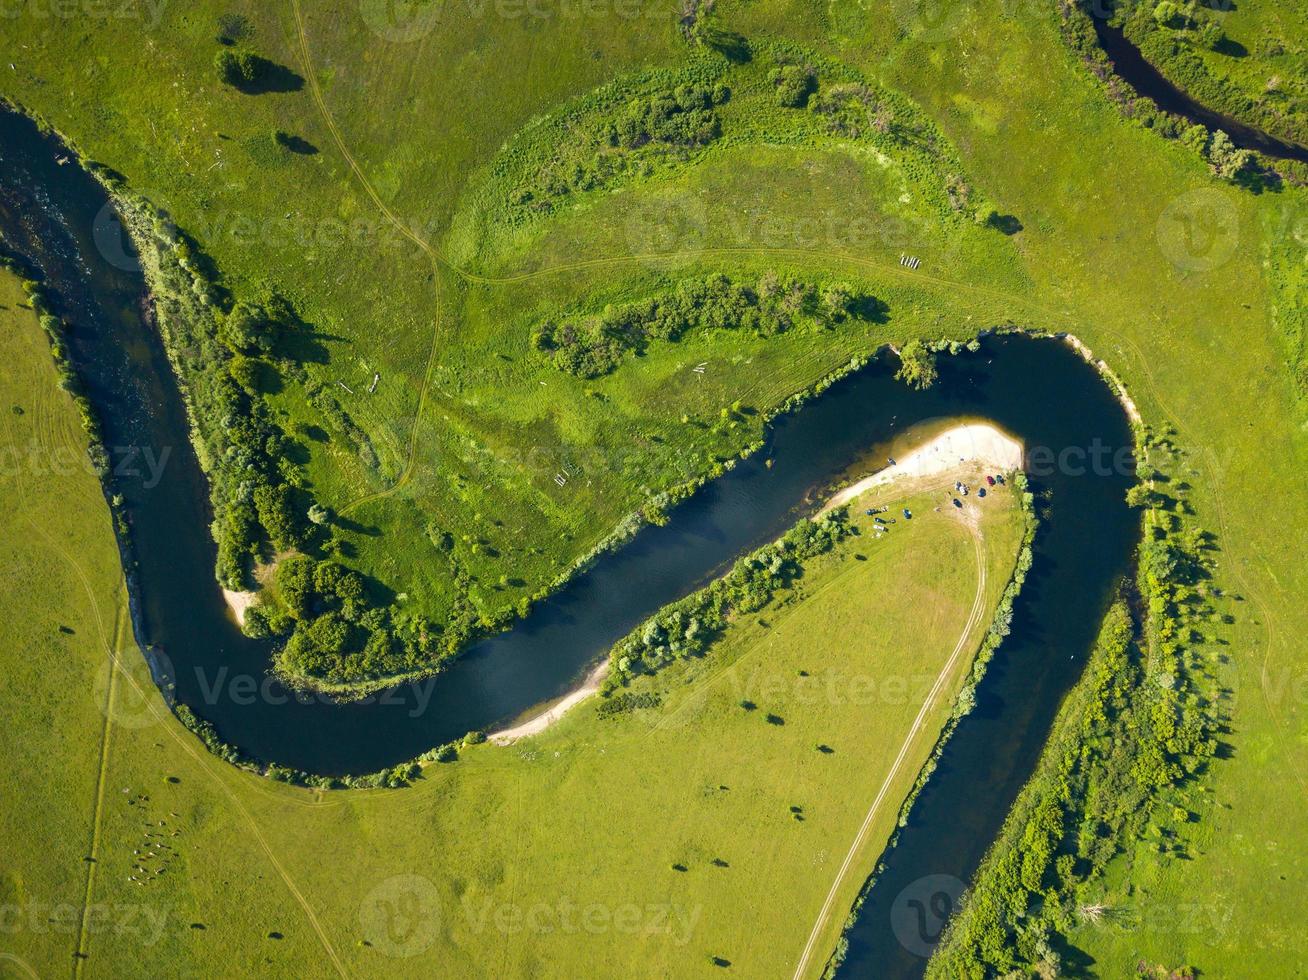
(624, 845)
(1189, 287)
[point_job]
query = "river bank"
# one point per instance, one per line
(972, 443)
(956, 448)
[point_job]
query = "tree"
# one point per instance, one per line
(238, 67)
(1225, 160)
(278, 516)
(246, 371)
(247, 330)
(837, 299)
(917, 366)
(794, 85)
(1139, 496)
(1166, 13)
(320, 515)
(295, 584)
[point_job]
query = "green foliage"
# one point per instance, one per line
(1187, 43)
(688, 628)
(681, 117)
(627, 702)
(623, 129)
(238, 67)
(277, 513)
(592, 345)
(1225, 160)
(794, 84)
(917, 365)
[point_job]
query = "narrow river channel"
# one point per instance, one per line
(1140, 74)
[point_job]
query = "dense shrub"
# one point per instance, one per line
(794, 84)
(687, 628)
(591, 345)
(238, 66)
(917, 365)
(682, 117)
(626, 702)
(622, 129)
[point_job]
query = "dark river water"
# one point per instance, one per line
(56, 217)
(1133, 68)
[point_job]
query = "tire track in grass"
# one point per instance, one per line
(974, 618)
(117, 667)
(439, 259)
(50, 433)
(316, 91)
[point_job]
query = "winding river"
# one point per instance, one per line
(1041, 391)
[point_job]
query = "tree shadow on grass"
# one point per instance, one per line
(271, 77)
(871, 309)
(296, 144)
(1006, 223)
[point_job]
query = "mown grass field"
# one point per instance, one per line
(1187, 286)
(556, 854)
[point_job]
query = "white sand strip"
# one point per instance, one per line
(238, 602)
(542, 721)
(974, 442)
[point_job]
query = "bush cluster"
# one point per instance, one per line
(622, 129)
(592, 345)
(337, 634)
(687, 628)
(626, 702)
(239, 67)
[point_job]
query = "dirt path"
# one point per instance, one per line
(937, 689)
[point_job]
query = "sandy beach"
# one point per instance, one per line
(238, 602)
(546, 718)
(974, 442)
